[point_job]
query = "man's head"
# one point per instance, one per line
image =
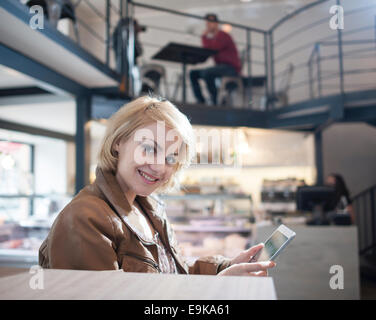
(211, 22)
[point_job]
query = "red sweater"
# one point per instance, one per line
(227, 52)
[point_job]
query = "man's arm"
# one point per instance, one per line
(219, 42)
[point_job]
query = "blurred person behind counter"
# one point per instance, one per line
(341, 201)
(117, 222)
(227, 62)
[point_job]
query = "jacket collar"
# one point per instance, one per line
(107, 183)
(155, 209)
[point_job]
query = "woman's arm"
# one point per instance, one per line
(350, 210)
(82, 238)
(238, 266)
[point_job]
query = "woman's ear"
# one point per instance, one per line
(115, 148)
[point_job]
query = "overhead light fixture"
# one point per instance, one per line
(8, 162)
(246, 0)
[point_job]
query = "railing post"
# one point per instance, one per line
(272, 69)
(318, 60)
(108, 41)
(131, 51)
(249, 65)
(340, 56)
(310, 79)
(266, 64)
(249, 70)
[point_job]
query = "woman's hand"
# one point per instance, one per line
(246, 255)
(240, 265)
(256, 269)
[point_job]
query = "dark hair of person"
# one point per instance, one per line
(340, 188)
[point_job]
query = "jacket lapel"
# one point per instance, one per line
(157, 214)
(109, 186)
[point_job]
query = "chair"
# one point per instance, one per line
(231, 91)
(55, 10)
(245, 89)
(229, 85)
(151, 77)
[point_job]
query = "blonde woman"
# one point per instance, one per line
(116, 222)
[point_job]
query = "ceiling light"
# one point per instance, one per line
(8, 162)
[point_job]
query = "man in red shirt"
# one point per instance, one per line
(227, 62)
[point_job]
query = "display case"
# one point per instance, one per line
(210, 223)
(25, 221)
(278, 197)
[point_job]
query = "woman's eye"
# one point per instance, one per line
(171, 159)
(148, 149)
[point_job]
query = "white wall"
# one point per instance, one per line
(350, 150)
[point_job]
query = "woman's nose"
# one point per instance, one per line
(157, 168)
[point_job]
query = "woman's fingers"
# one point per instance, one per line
(248, 269)
(252, 251)
(259, 274)
(246, 255)
(258, 266)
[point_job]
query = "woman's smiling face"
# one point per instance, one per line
(148, 159)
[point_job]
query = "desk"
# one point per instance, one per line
(185, 54)
(302, 270)
(74, 284)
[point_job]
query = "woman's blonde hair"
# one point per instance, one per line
(139, 113)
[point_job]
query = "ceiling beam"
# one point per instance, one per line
(19, 62)
(7, 125)
(21, 91)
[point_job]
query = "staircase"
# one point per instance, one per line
(365, 209)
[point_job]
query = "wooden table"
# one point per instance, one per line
(74, 284)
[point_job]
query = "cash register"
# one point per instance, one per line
(318, 200)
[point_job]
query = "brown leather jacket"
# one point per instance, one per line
(93, 233)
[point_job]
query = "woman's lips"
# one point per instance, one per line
(147, 177)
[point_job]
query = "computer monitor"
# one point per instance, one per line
(313, 198)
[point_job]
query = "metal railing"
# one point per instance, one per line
(103, 35)
(311, 78)
(246, 45)
(315, 80)
(364, 205)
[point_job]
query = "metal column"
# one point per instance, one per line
(83, 115)
(319, 157)
(340, 57)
